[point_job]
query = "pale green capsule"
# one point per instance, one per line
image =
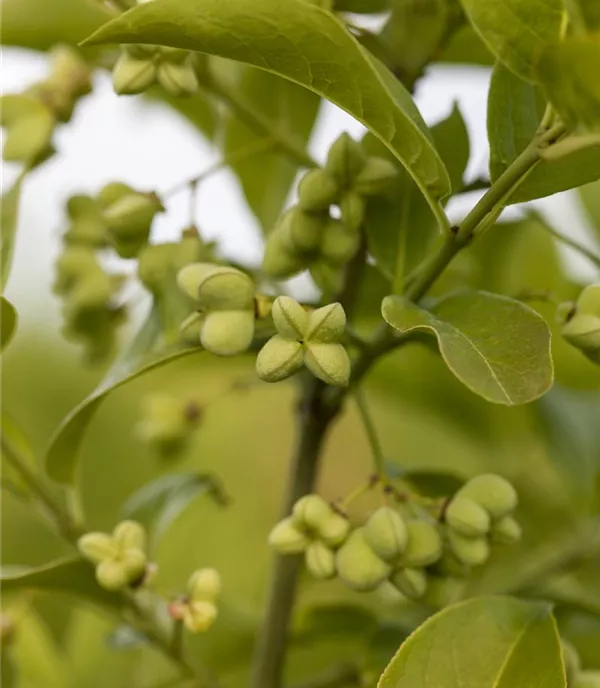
(311, 511)
(345, 160)
(96, 547)
(494, 493)
(178, 80)
(424, 546)
(467, 516)
(204, 584)
(352, 207)
(320, 560)
(227, 333)
(376, 178)
(327, 324)
(506, 531)
(279, 359)
(132, 76)
(386, 533)
(305, 230)
(317, 191)
(358, 566)
(334, 530)
(329, 362)
(290, 319)
(287, 538)
(410, 582)
(339, 244)
(471, 551)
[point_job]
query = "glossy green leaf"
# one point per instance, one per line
(9, 217)
(486, 642)
(72, 576)
(8, 322)
(517, 31)
(590, 196)
(157, 504)
(498, 347)
(466, 47)
(404, 210)
(310, 47)
(362, 6)
(515, 110)
(143, 355)
(266, 178)
(14, 437)
(567, 72)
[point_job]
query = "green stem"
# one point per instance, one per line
(69, 530)
(375, 444)
(256, 121)
(400, 267)
(572, 243)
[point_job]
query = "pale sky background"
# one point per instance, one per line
(149, 146)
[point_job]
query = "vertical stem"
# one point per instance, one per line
(375, 444)
(314, 419)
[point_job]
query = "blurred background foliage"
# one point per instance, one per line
(427, 422)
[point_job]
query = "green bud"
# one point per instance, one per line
(132, 75)
(582, 330)
(570, 660)
(588, 301)
(317, 191)
(467, 516)
(96, 547)
(174, 55)
(128, 221)
(113, 192)
(506, 531)
(112, 575)
(386, 533)
(155, 266)
(311, 511)
(352, 207)
(87, 225)
(345, 160)
(339, 245)
(70, 71)
(320, 560)
(291, 320)
(29, 126)
(286, 538)
(204, 584)
(72, 265)
(471, 551)
(305, 230)
(278, 261)
(410, 582)
(334, 530)
(494, 493)
(279, 359)
(587, 679)
(199, 616)
(358, 566)
(141, 51)
(130, 535)
(177, 79)
(376, 178)
(327, 324)
(328, 362)
(424, 545)
(227, 333)
(217, 288)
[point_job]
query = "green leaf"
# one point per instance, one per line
(486, 642)
(8, 229)
(404, 210)
(8, 322)
(16, 439)
(362, 6)
(72, 576)
(310, 47)
(590, 12)
(517, 31)
(466, 47)
(499, 348)
(568, 72)
(433, 483)
(590, 196)
(266, 178)
(157, 504)
(144, 354)
(515, 110)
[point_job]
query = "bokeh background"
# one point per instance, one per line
(551, 449)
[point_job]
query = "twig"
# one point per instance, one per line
(375, 444)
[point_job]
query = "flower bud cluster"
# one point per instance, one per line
(307, 236)
(225, 299)
(582, 323)
(120, 558)
(198, 609)
(31, 117)
(305, 339)
(141, 66)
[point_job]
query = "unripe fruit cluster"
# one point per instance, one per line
(225, 297)
(120, 558)
(305, 339)
(478, 514)
(198, 609)
(307, 236)
(141, 66)
(168, 423)
(31, 117)
(582, 326)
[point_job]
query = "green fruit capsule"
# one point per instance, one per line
(96, 547)
(410, 582)
(334, 530)
(471, 551)
(358, 566)
(286, 538)
(494, 493)
(327, 324)
(328, 362)
(305, 230)
(227, 333)
(376, 178)
(588, 302)
(386, 533)
(204, 584)
(132, 76)
(279, 359)
(320, 560)
(311, 511)
(587, 679)
(29, 124)
(128, 221)
(217, 288)
(178, 80)
(279, 260)
(424, 546)
(583, 332)
(112, 575)
(506, 531)
(345, 160)
(467, 516)
(290, 319)
(113, 192)
(317, 191)
(352, 207)
(339, 244)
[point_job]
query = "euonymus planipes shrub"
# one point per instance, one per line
(442, 575)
